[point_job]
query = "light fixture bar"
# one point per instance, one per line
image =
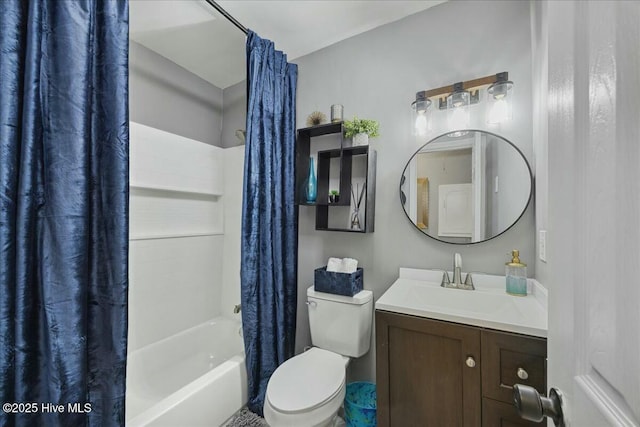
(457, 98)
(469, 84)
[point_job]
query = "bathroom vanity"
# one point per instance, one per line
(450, 356)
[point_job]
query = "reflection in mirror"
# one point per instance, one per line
(422, 218)
(466, 189)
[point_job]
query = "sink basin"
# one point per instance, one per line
(434, 297)
(418, 292)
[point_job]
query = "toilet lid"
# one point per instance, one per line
(306, 381)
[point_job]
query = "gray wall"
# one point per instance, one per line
(166, 96)
(376, 75)
(235, 113)
(540, 86)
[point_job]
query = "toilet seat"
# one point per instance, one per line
(306, 382)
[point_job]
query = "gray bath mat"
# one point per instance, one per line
(246, 418)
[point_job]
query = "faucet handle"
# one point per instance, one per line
(468, 282)
(445, 280)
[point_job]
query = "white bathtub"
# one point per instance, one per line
(194, 378)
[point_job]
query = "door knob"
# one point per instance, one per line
(471, 362)
(533, 407)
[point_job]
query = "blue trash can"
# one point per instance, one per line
(360, 404)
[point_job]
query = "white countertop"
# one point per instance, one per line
(418, 292)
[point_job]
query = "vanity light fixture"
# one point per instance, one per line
(499, 104)
(457, 98)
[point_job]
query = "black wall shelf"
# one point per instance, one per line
(346, 154)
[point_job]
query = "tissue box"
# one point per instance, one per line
(338, 283)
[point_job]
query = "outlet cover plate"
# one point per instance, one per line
(542, 245)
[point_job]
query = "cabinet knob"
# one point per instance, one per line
(471, 362)
(522, 374)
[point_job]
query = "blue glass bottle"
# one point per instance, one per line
(311, 184)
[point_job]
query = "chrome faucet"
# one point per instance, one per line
(457, 270)
(457, 276)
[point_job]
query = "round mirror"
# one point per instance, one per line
(466, 188)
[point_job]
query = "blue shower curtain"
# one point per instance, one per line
(269, 216)
(63, 212)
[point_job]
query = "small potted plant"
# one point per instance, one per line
(360, 130)
(334, 196)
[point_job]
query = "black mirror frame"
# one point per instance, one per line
(524, 209)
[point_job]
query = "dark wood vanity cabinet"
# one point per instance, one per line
(436, 373)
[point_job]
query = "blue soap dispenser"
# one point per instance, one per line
(516, 273)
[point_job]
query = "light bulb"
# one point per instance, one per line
(459, 118)
(458, 105)
(420, 114)
(499, 112)
(421, 124)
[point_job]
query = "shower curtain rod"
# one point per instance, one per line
(226, 14)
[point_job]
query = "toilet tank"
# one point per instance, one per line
(339, 323)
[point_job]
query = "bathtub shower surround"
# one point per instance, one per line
(185, 364)
(63, 211)
(269, 218)
(194, 378)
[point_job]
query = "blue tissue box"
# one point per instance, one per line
(338, 283)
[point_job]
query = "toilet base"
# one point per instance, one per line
(323, 416)
(338, 422)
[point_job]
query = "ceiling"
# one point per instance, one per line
(193, 35)
(302, 27)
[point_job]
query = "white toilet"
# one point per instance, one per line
(308, 389)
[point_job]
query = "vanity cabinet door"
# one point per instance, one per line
(512, 359)
(428, 372)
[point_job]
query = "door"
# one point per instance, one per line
(594, 210)
(455, 210)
